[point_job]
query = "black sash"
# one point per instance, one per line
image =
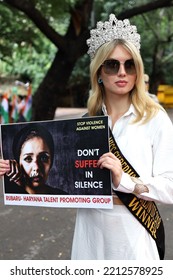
(144, 211)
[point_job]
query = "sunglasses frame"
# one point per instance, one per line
(114, 70)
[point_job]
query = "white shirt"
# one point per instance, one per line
(149, 149)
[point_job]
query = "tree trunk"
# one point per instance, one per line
(52, 92)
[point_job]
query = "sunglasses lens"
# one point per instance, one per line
(112, 66)
(130, 66)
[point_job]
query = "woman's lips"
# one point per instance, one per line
(36, 179)
(121, 83)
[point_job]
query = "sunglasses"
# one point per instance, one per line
(112, 66)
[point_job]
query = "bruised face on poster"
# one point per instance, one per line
(35, 161)
(33, 152)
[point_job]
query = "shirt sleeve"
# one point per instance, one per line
(160, 182)
(126, 185)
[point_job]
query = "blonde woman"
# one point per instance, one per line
(142, 165)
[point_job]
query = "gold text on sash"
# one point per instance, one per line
(147, 213)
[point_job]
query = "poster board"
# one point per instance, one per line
(78, 144)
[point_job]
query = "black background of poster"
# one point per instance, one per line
(67, 141)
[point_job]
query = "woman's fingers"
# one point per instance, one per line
(11, 169)
(111, 162)
(14, 174)
(4, 166)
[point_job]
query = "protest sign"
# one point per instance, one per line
(63, 172)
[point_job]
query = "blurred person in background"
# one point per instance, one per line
(146, 81)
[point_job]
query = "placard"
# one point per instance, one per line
(63, 172)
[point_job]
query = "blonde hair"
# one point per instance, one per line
(143, 104)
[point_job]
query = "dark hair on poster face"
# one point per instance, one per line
(28, 132)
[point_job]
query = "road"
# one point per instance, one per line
(40, 233)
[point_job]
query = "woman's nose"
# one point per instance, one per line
(34, 169)
(35, 165)
(122, 70)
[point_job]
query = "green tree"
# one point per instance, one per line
(158, 47)
(78, 17)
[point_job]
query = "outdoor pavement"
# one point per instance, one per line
(40, 233)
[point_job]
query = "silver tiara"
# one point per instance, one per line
(110, 30)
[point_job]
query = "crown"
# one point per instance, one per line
(110, 30)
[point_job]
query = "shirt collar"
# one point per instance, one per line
(131, 110)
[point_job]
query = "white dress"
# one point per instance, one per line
(102, 234)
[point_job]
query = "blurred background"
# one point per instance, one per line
(43, 60)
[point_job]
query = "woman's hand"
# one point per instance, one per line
(112, 163)
(4, 166)
(14, 173)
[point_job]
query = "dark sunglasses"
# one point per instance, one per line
(112, 66)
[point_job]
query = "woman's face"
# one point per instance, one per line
(35, 160)
(120, 83)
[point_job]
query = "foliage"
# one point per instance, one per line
(156, 42)
(25, 51)
(56, 12)
(28, 63)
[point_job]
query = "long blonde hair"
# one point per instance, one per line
(143, 104)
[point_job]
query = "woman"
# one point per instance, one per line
(144, 135)
(33, 150)
(146, 81)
